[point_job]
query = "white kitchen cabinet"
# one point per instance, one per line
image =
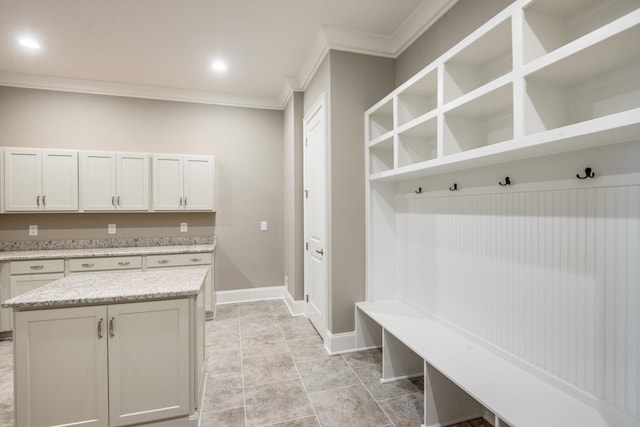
(183, 183)
(67, 349)
(195, 260)
(114, 181)
(114, 365)
(40, 180)
(22, 277)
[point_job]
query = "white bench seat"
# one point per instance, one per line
(516, 394)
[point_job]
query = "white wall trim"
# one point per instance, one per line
(340, 343)
(251, 294)
(295, 307)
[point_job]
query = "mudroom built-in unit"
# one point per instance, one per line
(503, 221)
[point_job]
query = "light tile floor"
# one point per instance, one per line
(267, 368)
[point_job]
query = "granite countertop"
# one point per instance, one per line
(108, 288)
(103, 252)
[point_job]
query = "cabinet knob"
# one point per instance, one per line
(163, 261)
(87, 265)
(37, 267)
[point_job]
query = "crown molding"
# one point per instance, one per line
(62, 84)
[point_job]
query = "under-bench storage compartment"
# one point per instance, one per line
(178, 260)
(36, 266)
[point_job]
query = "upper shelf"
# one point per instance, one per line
(511, 91)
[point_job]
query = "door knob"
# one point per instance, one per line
(320, 251)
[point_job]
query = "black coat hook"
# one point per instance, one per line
(507, 181)
(588, 173)
(454, 188)
(419, 190)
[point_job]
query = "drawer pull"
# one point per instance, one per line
(196, 259)
(163, 261)
(87, 265)
(124, 263)
(37, 267)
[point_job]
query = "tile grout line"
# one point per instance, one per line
(244, 396)
(368, 391)
(304, 387)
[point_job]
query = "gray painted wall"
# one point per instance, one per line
(459, 21)
(293, 202)
(247, 143)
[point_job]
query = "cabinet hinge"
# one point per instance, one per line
(306, 142)
(306, 194)
(306, 297)
(306, 246)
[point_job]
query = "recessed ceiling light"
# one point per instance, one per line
(219, 66)
(29, 43)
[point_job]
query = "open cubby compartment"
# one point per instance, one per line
(484, 121)
(381, 156)
(599, 81)
(551, 24)
(381, 120)
(484, 60)
(418, 143)
(419, 98)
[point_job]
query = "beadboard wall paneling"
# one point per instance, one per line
(551, 276)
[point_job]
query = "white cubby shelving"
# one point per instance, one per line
(484, 290)
(516, 87)
(551, 24)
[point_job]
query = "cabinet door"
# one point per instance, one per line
(60, 180)
(23, 179)
(63, 350)
(133, 182)
(98, 181)
(167, 183)
(199, 183)
(148, 361)
(19, 285)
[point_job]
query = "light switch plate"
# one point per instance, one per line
(33, 230)
(184, 227)
(263, 225)
(111, 229)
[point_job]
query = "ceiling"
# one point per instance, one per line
(164, 48)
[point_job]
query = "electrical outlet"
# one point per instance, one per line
(111, 229)
(263, 225)
(184, 227)
(33, 230)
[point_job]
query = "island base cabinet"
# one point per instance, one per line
(61, 367)
(148, 361)
(114, 365)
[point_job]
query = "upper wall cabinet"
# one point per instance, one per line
(183, 183)
(541, 77)
(114, 181)
(40, 180)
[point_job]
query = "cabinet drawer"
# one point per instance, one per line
(37, 266)
(178, 260)
(107, 263)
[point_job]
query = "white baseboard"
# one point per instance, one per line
(340, 343)
(295, 307)
(251, 294)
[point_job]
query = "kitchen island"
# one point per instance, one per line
(111, 349)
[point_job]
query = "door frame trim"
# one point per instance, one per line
(319, 105)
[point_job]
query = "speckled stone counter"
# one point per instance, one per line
(108, 288)
(103, 252)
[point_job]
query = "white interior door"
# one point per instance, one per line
(315, 217)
